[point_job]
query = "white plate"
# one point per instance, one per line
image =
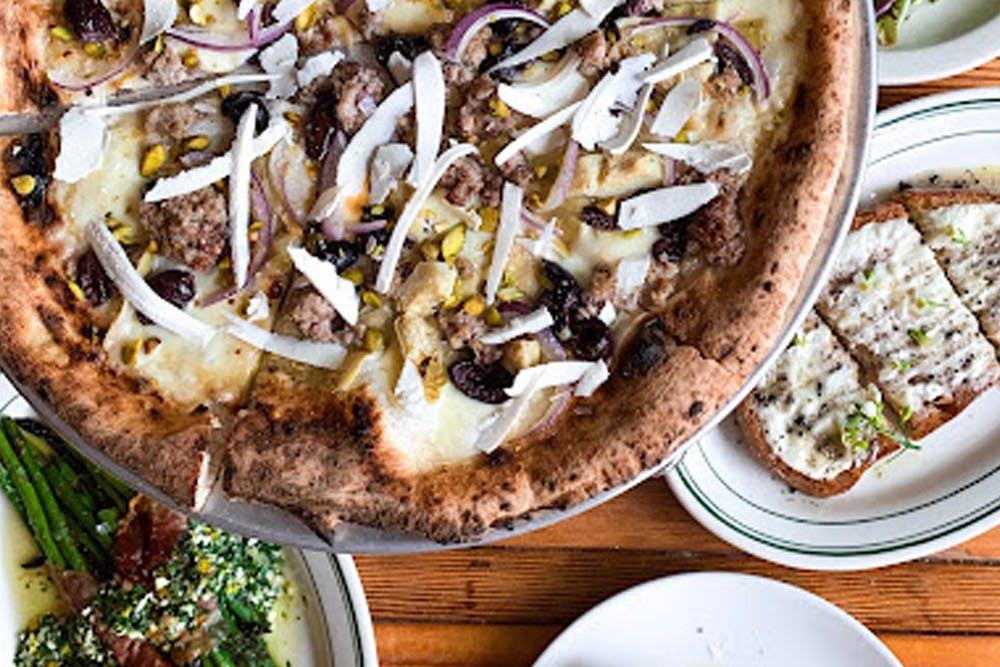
(335, 628)
(907, 506)
(941, 39)
(719, 619)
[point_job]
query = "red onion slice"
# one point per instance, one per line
(474, 21)
(265, 236)
(113, 73)
(761, 81)
(368, 227)
(255, 38)
(882, 7)
(560, 188)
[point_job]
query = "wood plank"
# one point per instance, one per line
(474, 645)
(649, 517)
(985, 75)
(555, 586)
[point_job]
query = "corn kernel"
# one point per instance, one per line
(607, 206)
(225, 91)
(152, 247)
(535, 200)
(62, 33)
(150, 344)
(197, 143)
(551, 56)
(76, 290)
(354, 274)
(474, 305)
(293, 118)
(93, 50)
(499, 108)
(563, 8)
(493, 317)
(430, 250)
(306, 18)
(130, 352)
(452, 242)
(158, 44)
(682, 137)
(495, 48)
(24, 184)
(489, 217)
(507, 294)
(153, 160)
(190, 59)
(125, 235)
(225, 263)
(541, 170)
(371, 299)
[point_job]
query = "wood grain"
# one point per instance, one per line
(502, 605)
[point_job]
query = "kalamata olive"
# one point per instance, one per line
(93, 281)
(727, 56)
(320, 125)
(701, 25)
(646, 350)
(341, 254)
(409, 46)
(90, 20)
(564, 298)
(481, 382)
(590, 340)
(236, 104)
(598, 219)
(174, 285)
(672, 242)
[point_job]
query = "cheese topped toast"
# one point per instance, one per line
(901, 319)
(813, 420)
(963, 229)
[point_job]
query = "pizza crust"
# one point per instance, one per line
(23, 85)
(43, 347)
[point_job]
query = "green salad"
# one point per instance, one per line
(145, 586)
(891, 16)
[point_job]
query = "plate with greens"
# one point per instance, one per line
(94, 574)
(935, 493)
(923, 40)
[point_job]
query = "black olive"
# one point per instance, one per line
(701, 25)
(481, 382)
(590, 340)
(236, 104)
(90, 20)
(645, 351)
(409, 46)
(511, 35)
(728, 57)
(593, 216)
(93, 281)
(320, 125)
(174, 285)
(672, 242)
(341, 254)
(564, 298)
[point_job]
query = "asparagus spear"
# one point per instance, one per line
(57, 520)
(36, 519)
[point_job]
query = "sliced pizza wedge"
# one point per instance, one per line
(892, 305)
(813, 420)
(962, 227)
(151, 235)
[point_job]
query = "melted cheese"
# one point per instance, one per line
(805, 398)
(966, 239)
(892, 302)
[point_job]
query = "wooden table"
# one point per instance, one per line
(501, 605)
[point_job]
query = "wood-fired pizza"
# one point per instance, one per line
(416, 264)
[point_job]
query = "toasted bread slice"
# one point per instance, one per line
(813, 421)
(892, 305)
(962, 227)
